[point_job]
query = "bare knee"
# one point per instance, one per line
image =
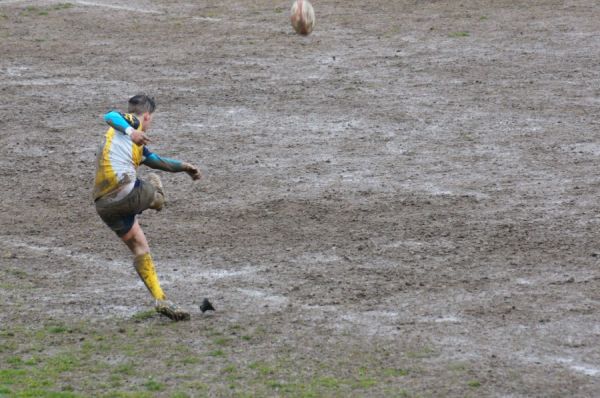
(136, 240)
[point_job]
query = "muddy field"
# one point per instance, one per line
(403, 204)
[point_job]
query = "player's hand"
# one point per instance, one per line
(193, 171)
(139, 138)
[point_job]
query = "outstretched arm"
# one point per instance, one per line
(154, 161)
(126, 124)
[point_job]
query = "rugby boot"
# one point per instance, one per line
(171, 310)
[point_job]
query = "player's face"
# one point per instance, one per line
(147, 121)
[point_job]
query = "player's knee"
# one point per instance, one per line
(158, 202)
(154, 179)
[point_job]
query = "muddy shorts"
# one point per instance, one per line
(120, 215)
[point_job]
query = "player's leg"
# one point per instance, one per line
(137, 243)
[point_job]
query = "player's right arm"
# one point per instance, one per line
(127, 124)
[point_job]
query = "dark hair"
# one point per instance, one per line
(141, 103)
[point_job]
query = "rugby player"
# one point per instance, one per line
(120, 196)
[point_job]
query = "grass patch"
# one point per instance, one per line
(143, 315)
(221, 341)
(14, 360)
(197, 386)
(424, 352)
(62, 6)
(364, 382)
(57, 329)
(328, 382)
(191, 360)
(102, 358)
(153, 385)
(32, 361)
(274, 384)
(262, 368)
(458, 367)
(216, 353)
(459, 34)
(33, 10)
(474, 384)
(61, 363)
(229, 369)
(12, 376)
(125, 369)
(395, 372)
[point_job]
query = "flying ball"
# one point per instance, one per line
(302, 16)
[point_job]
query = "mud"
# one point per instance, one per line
(413, 177)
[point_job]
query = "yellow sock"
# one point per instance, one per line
(145, 269)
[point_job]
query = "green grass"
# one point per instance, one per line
(221, 341)
(57, 329)
(33, 10)
(125, 369)
(62, 6)
(14, 360)
(459, 34)
(153, 385)
(216, 353)
(262, 368)
(143, 315)
(395, 372)
(474, 384)
(61, 363)
(364, 382)
(102, 358)
(190, 360)
(328, 382)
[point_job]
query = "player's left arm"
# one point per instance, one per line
(154, 161)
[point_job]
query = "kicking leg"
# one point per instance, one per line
(159, 196)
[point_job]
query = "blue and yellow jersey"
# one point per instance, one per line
(118, 156)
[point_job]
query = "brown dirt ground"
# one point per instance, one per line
(403, 203)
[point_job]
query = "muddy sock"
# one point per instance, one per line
(145, 269)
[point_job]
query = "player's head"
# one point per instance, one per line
(143, 106)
